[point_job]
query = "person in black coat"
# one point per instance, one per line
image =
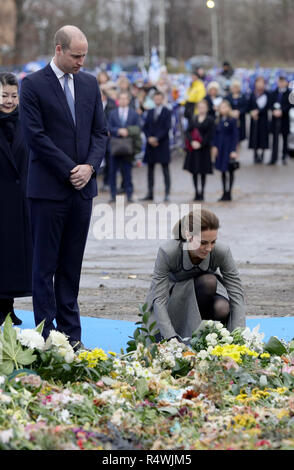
(225, 141)
(15, 235)
(108, 106)
(258, 106)
(239, 105)
(156, 129)
(198, 156)
(280, 106)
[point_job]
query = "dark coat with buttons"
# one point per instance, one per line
(226, 138)
(15, 236)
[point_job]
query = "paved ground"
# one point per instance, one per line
(258, 225)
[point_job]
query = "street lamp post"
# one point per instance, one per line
(214, 28)
(162, 31)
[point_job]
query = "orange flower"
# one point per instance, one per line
(188, 353)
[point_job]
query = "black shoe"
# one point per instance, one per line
(2, 317)
(77, 345)
(271, 163)
(223, 198)
(15, 319)
(111, 201)
(120, 191)
(226, 196)
(149, 197)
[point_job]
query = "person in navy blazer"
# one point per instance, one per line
(120, 119)
(64, 126)
(156, 129)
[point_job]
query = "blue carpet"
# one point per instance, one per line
(112, 335)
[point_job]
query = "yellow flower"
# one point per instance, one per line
(233, 351)
(265, 355)
(243, 421)
(282, 413)
(281, 390)
(93, 357)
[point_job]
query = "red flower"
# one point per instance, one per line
(263, 442)
(189, 394)
(80, 444)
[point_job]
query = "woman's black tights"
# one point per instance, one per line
(199, 194)
(227, 181)
(211, 305)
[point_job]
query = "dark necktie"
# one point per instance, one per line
(69, 97)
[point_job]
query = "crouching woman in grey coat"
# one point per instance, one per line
(195, 278)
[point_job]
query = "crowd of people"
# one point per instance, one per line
(213, 120)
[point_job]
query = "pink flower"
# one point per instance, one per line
(288, 369)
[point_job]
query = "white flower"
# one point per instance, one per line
(209, 322)
(210, 349)
(2, 379)
(117, 417)
(229, 339)
(56, 338)
(224, 332)
(116, 363)
(31, 339)
(146, 373)
(5, 398)
(65, 416)
(219, 325)
(203, 354)
(6, 435)
(130, 370)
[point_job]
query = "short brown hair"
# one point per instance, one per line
(195, 222)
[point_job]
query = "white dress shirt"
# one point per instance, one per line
(123, 113)
(60, 75)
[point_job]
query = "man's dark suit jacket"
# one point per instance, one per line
(115, 123)
(56, 144)
(160, 129)
(285, 108)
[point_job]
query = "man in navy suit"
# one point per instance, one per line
(156, 129)
(280, 106)
(120, 120)
(64, 126)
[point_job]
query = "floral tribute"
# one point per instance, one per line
(221, 390)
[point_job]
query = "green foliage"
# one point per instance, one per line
(275, 346)
(12, 354)
(144, 333)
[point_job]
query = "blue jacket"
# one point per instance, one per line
(226, 139)
(56, 144)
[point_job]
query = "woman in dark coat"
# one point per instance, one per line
(225, 143)
(15, 236)
(258, 106)
(239, 105)
(198, 157)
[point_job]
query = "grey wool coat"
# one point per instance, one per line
(171, 298)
